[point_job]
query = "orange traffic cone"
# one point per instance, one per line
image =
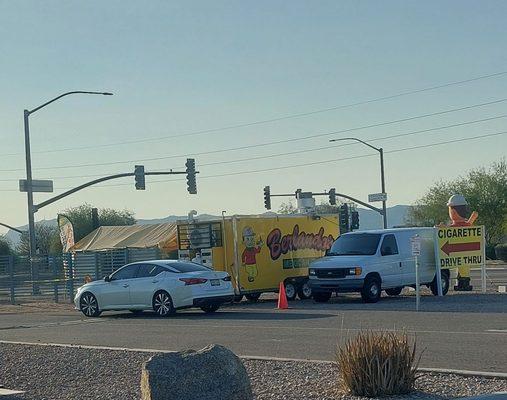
(282, 298)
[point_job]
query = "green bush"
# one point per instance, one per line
(378, 364)
(501, 251)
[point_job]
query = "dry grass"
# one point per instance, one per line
(378, 364)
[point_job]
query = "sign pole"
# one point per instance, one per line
(483, 264)
(417, 290)
(416, 252)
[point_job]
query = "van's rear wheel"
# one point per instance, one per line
(394, 291)
(322, 297)
(445, 284)
(371, 290)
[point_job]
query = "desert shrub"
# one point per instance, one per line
(501, 251)
(378, 364)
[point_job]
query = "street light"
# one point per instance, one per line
(29, 188)
(382, 178)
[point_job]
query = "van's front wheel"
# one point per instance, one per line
(371, 290)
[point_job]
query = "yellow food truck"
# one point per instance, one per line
(260, 251)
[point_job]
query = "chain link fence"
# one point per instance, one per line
(56, 278)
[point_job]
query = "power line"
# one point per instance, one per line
(309, 163)
(305, 150)
(276, 119)
(272, 142)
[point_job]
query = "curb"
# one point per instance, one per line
(483, 374)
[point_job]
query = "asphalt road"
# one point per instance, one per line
(459, 331)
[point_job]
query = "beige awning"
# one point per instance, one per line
(133, 236)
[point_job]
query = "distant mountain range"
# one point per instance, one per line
(368, 219)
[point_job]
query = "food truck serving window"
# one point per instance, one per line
(199, 235)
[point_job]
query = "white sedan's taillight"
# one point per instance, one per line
(193, 281)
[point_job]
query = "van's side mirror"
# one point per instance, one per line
(327, 252)
(107, 278)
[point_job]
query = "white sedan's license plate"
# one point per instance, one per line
(215, 282)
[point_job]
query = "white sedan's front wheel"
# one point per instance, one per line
(163, 304)
(88, 305)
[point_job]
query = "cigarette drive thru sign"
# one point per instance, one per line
(460, 246)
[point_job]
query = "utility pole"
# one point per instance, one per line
(29, 180)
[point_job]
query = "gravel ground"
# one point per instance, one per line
(50, 372)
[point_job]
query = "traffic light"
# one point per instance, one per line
(332, 196)
(267, 198)
(139, 175)
(191, 183)
(355, 220)
(344, 218)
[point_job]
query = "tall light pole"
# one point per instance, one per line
(29, 188)
(382, 177)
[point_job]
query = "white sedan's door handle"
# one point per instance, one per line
(126, 285)
(154, 281)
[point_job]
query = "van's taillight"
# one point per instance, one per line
(193, 281)
(227, 278)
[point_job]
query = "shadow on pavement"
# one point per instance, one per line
(453, 303)
(227, 315)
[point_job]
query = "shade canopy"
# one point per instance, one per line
(163, 236)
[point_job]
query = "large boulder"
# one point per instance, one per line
(213, 373)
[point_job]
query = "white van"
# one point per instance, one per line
(371, 261)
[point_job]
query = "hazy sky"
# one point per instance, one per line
(181, 67)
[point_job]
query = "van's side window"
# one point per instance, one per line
(389, 246)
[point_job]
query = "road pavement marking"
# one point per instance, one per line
(301, 328)
(500, 375)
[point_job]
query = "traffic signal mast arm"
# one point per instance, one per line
(379, 210)
(11, 227)
(103, 179)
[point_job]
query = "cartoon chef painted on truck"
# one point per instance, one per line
(249, 255)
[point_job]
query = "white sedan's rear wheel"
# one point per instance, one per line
(210, 308)
(163, 304)
(88, 305)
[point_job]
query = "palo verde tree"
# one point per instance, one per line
(5, 246)
(486, 192)
(46, 236)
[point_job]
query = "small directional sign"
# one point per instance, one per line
(416, 245)
(460, 246)
(37, 185)
(377, 197)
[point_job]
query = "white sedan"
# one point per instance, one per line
(160, 285)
